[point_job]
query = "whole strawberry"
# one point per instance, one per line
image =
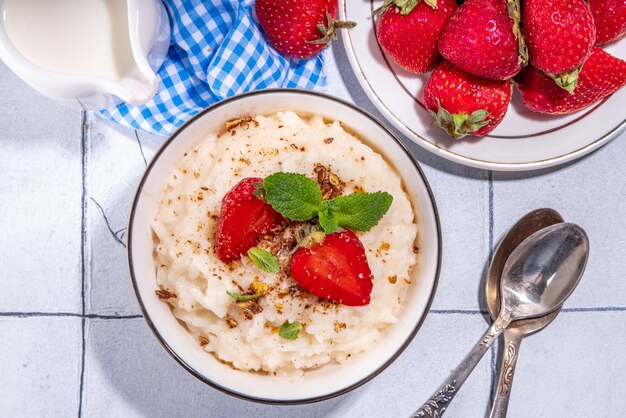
(559, 35)
(464, 104)
(484, 38)
(601, 75)
(299, 29)
(610, 18)
(408, 32)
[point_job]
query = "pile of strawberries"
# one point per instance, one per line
(478, 50)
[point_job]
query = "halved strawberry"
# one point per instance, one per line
(244, 218)
(335, 269)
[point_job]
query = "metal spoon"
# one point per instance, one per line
(514, 333)
(537, 278)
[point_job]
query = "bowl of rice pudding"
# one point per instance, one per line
(284, 246)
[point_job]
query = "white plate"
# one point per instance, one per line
(523, 141)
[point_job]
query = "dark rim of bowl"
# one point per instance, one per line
(204, 378)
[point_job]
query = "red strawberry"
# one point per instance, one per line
(610, 18)
(409, 34)
(559, 35)
(299, 29)
(464, 104)
(335, 269)
(244, 218)
(601, 75)
(482, 39)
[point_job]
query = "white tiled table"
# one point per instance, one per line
(73, 342)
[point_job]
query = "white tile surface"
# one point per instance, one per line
(40, 201)
(590, 192)
(40, 366)
(117, 160)
(575, 368)
(127, 373)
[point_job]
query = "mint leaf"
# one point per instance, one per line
(264, 260)
(358, 211)
(290, 331)
(242, 298)
(327, 220)
(294, 196)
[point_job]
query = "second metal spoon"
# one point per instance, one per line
(514, 333)
(537, 278)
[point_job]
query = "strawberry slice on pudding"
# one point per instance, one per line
(244, 218)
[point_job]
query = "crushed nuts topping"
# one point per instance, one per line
(242, 122)
(338, 326)
(231, 322)
(245, 304)
(279, 307)
(165, 294)
(259, 288)
(328, 140)
(393, 279)
(331, 185)
(203, 341)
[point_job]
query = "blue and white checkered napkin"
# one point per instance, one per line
(217, 51)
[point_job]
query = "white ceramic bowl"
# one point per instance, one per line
(329, 380)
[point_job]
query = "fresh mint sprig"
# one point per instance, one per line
(264, 260)
(242, 298)
(299, 198)
(357, 211)
(290, 330)
(294, 196)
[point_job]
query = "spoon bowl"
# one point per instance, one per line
(543, 271)
(529, 224)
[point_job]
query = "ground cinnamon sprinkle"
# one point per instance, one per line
(203, 341)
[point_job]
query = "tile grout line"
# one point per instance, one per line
(83, 253)
(31, 314)
(136, 316)
(493, 353)
(65, 315)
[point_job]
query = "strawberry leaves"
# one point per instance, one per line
(459, 125)
(567, 81)
(329, 31)
(404, 7)
(513, 9)
(299, 198)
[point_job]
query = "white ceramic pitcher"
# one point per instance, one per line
(149, 38)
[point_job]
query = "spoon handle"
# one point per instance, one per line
(512, 341)
(438, 403)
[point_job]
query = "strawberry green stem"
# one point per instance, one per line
(513, 8)
(329, 31)
(458, 125)
(404, 7)
(567, 81)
